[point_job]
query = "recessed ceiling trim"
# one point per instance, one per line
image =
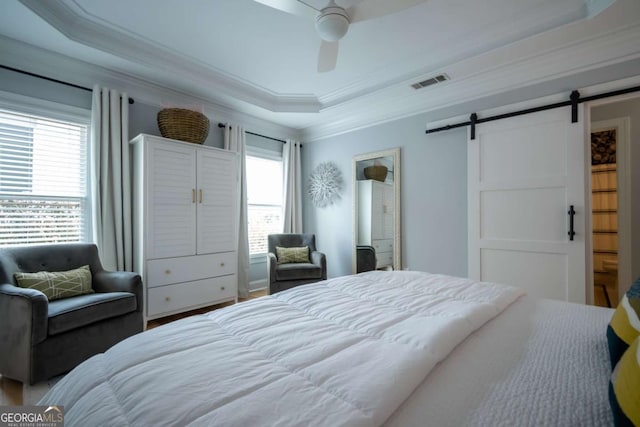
(52, 64)
(78, 25)
(574, 49)
(586, 55)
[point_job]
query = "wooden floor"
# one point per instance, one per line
(11, 390)
(600, 300)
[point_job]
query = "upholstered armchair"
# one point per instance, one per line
(286, 275)
(365, 258)
(39, 338)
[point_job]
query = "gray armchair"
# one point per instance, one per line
(40, 339)
(287, 276)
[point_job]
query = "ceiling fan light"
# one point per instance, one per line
(332, 24)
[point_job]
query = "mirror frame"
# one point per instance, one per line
(397, 241)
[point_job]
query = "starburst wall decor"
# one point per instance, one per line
(325, 184)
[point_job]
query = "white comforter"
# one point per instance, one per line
(347, 351)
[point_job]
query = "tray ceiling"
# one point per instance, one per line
(262, 61)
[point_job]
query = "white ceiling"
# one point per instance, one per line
(262, 61)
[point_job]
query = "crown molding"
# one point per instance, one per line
(538, 59)
(378, 79)
(400, 101)
(78, 25)
(30, 58)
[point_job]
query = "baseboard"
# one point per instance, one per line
(258, 285)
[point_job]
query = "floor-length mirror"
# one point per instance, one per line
(376, 211)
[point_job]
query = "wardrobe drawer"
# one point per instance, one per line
(166, 271)
(185, 296)
(382, 245)
(384, 259)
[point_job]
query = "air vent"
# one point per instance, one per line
(431, 81)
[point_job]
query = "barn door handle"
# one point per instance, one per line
(571, 213)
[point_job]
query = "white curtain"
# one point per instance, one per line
(111, 178)
(292, 187)
(234, 140)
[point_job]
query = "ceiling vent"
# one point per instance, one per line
(431, 81)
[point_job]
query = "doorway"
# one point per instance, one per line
(604, 211)
(610, 180)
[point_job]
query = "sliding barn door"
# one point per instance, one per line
(524, 173)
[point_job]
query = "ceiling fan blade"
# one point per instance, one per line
(371, 9)
(293, 7)
(328, 56)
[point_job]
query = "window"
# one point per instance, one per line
(43, 178)
(264, 199)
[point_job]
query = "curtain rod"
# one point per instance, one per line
(574, 101)
(221, 125)
(131, 100)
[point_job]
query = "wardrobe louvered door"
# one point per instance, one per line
(172, 180)
(216, 218)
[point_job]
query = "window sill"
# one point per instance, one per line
(258, 258)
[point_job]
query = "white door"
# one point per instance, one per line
(171, 199)
(217, 215)
(523, 175)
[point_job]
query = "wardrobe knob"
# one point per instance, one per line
(167, 271)
(167, 299)
(222, 288)
(222, 264)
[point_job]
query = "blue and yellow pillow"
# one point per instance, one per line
(624, 388)
(624, 327)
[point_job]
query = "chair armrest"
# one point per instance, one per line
(119, 281)
(22, 309)
(319, 259)
(272, 263)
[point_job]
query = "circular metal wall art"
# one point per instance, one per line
(325, 184)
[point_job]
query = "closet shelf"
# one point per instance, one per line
(604, 211)
(603, 251)
(605, 231)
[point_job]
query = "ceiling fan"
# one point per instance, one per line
(332, 21)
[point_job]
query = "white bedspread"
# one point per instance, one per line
(540, 363)
(347, 351)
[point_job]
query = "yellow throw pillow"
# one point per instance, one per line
(624, 326)
(59, 284)
(624, 388)
(292, 254)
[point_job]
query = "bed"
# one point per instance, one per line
(377, 348)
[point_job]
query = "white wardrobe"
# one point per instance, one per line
(185, 205)
(375, 219)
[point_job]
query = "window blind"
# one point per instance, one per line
(43, 179)
(264, 200)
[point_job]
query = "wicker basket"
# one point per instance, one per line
(185, 125)
(377, 172)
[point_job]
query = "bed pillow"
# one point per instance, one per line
(625, 324)
(624, 388)
(59, 284)
(292, 254)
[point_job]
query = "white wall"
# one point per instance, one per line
(629, 109)
(434, 195)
